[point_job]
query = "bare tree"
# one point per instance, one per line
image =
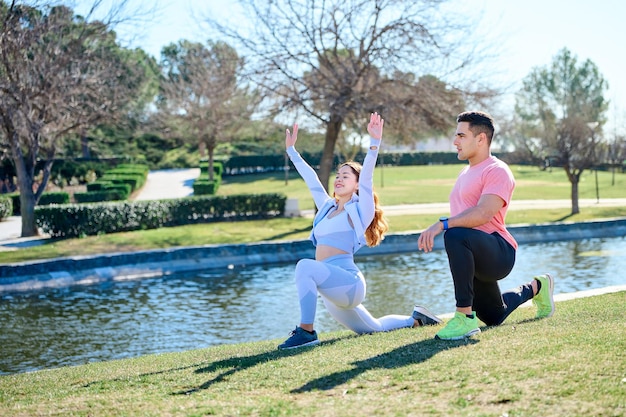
(201, 93)
(337, 61)
(562, 110)
(59, 75)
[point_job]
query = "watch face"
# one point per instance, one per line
(443, 219)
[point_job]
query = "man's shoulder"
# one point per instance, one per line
(495, 162)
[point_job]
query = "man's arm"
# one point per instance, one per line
(487, 207)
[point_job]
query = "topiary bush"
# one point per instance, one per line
(74, 220)
(49, 197)
(6, 206)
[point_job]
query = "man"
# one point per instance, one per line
(480, 249)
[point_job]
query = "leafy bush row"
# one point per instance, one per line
(203, 185)
(74, 220)
(49, 197)
(116, 184)
(6, 207)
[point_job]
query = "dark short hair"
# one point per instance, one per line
(479, 122)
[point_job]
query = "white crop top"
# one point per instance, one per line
(336, 232)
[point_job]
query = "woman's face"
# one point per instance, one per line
(346, 182)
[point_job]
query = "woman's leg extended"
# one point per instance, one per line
(360, 321)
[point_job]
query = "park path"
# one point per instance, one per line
(161, 184)
(168, 183)
(176, 183)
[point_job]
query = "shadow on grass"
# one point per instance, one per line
(405, 355)
(564, 218)
(282, 236)
(402, 356)
(232, 365)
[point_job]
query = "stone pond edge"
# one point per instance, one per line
(92, 269)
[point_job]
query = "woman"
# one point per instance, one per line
(344, 223)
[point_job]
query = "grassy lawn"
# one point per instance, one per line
(396, 185)
(255, 231)
(432, 184)
(573, 364)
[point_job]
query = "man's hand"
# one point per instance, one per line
(426, 241)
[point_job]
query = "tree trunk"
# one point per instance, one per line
(210, 167)
(574, 181)
(326, 164)
(27, 211)
(27, 199)
(84, 145)
(24, 174)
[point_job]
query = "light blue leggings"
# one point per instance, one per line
(342, 288)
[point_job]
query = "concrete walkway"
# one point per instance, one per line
(169, 183)
(162, 184)
(444, 208)
(177, 183)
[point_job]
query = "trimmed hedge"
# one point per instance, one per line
(74, 220)
(116, 184)
(203, 185)
(6, 207)
(218, 169)
(49, 197)
(99, 196)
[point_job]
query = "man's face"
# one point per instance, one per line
(465, 142)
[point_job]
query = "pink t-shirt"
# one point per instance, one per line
(492, 176)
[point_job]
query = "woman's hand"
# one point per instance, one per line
(291, 138)
(375, 126)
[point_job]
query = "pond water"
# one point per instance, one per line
(80, 324)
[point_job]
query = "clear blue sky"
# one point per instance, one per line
(531, 33)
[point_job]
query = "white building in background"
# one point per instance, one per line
(428, 145)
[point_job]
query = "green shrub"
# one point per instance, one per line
(218, 169)
(123, 189)
(206, 187)
(98, 185)
(54, 197)
(51, 197)
(135, 181)
(116, 184)
(132, 168)
(73, 220)
(6, 206)
(15, 198)
(100, 196)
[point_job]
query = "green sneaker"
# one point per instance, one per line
(544, 300)
(459, 327)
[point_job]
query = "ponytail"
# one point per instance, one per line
(374, 234)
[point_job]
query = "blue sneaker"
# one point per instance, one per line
(300, 338)
(424, 317)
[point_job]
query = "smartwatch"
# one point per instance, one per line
(444, 220)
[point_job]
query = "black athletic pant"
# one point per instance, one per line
(478, 260)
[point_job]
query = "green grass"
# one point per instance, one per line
(255, 231)
(432, 184)
(396, 185)
(573, 364)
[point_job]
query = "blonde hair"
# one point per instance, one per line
(374, 234)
